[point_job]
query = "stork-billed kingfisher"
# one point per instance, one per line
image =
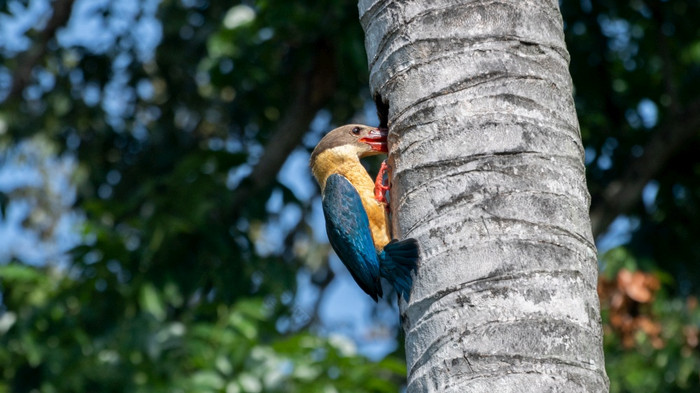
(354, 208)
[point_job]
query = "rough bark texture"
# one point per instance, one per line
(488, 175)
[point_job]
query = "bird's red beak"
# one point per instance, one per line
(376, 139)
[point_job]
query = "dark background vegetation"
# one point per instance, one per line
(165, 253)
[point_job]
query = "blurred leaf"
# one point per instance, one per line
(151, 302)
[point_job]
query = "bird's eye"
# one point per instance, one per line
(356, 130)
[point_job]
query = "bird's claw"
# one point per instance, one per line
(380, 185)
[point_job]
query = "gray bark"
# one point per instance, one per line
(488, 175)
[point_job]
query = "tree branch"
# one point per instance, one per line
(28, 60)
(622, 194)
(312, 91)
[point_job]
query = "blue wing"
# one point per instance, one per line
(349, 234)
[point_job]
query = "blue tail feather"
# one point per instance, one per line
(397, 261)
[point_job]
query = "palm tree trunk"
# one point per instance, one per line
(488, 175)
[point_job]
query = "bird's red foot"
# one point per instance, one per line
(381, 186)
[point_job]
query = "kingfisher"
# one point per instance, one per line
(355, 210)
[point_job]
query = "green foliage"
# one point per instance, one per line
(49, 345)
(635, 71)
(168, 289)
(663, 357)
(634, 66)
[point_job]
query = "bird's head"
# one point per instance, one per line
(357, 139)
